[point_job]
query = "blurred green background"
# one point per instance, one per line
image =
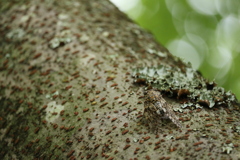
(204, 32)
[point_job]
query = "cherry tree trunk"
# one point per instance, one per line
(75, 83)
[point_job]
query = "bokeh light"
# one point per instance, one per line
(206, 33)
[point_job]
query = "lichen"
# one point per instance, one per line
(237, 129)
(63, 38)
(227, 148)
(52, 111)
(16, 34)
(184, 83)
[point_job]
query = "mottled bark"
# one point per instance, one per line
(67, 89)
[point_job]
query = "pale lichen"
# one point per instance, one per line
(185, 82)
(227, 148)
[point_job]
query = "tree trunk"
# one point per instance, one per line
(67, 89)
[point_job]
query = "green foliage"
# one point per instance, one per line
(204, 33)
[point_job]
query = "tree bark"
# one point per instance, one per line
(67, 89)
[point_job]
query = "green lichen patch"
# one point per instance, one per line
(184, 83)
(227, 148)
(63, 38)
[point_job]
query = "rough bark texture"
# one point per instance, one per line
(67, 90)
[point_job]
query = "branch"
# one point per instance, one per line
(67, 89)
